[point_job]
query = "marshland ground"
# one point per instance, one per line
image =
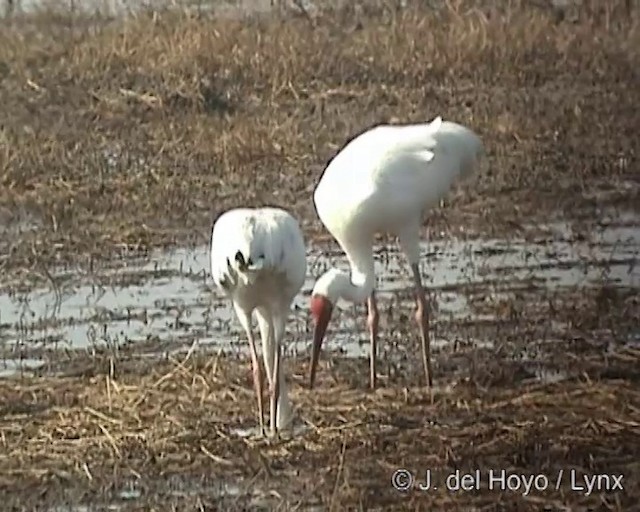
(125, 384)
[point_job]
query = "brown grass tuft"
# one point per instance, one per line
(167, 432)
(139, 132)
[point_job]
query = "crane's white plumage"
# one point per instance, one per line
(258, 258)
(383, 181)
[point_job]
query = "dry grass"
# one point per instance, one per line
(139, 133)
(167, 430)
(162, 427)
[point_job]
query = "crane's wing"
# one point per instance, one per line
(245, 242)
(406, 150)
(424, 159)
(385, 150)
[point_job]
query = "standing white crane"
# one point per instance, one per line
(258, 258)
(382, 182)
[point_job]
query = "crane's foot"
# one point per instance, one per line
(259, 435)
(271, 437)
(261, 428)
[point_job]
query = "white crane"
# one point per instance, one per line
(383, 181)
(258, 258)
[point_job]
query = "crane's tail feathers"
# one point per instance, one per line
(257, 266)
(249, 274)
(436, 124)
(246, 269)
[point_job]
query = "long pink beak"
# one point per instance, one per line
(318, 337)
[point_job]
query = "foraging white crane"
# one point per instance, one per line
(383, 181)
(258, 258)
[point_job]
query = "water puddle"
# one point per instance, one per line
(170, 298)
(174, 489)
(254, 431)
(111, 8)
(82, 508)
(550, 376)
(10, 367)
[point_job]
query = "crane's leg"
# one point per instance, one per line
(271, 332)
(275, 391)
(422, 317)
(285, 412)
(372, 322)
(258, 379)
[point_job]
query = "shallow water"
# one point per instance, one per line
(221, 8)
(9, 367)
(254, 431)
(169, 297)
(176, 489)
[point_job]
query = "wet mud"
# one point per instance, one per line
(168, 300)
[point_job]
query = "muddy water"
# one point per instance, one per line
(260, 498)
(169, 302)
(222, 8)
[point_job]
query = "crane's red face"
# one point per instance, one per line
(321, 309)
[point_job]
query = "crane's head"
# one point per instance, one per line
(326, 293)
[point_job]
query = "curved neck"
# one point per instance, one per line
(356, 293)
(359, 287)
